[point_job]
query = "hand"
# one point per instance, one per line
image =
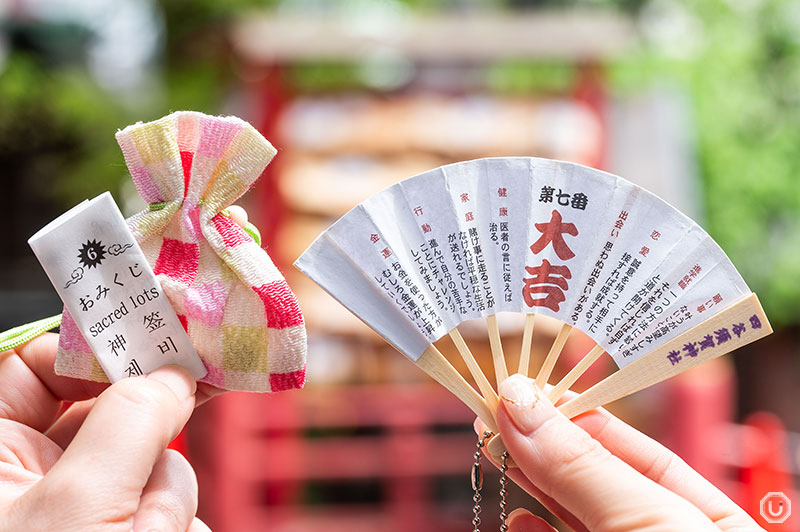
(599, 474)
(102, 465)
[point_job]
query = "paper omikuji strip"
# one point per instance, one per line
(237, 308)
(522, 234)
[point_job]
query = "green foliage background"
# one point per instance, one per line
(744, 83)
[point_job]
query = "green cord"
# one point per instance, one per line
(250, 229)
(254, 233)
(25, 333)
(160, 205)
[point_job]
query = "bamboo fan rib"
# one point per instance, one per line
(539, 237)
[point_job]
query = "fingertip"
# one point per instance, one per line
(525, 403)
(177, 379)
(198, 526)
(521, 520)
(169, 499)
(238, 215)
(206, 392)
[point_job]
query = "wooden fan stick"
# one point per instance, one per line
(475, 370)
(499, 359)
(552, 356)
(673, 358)
(575, 373)
(434, 364)
(655, 366)
(525, 352)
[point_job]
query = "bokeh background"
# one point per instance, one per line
(698, 101)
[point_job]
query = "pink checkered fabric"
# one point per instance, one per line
(237, 308)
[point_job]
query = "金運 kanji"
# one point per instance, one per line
(549, 280)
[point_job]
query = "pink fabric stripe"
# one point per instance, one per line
(141, 176)
(70, 337)
(215, 375)
(215, 136)
(287, 381)
(184, 322)
(186, 162)
(191, 222)
(178, 260)
(147, 188)
(187, 125)
(280, 305)
(129, 151)
(232, 234)
(206, 302)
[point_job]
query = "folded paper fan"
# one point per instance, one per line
(237, 308)
(536, 236)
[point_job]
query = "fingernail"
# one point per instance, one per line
(177, 379)
(524, 402)
(521, 520)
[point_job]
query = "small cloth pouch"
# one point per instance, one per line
(237, 308)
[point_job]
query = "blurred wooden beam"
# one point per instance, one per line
(583, 35)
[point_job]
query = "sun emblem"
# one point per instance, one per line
(92, 253)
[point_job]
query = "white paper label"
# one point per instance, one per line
(110, 290)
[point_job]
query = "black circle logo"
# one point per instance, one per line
(92, 253)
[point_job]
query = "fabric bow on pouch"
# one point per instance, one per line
(237, 308)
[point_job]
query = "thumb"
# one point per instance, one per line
(102, 472)
(563, 461)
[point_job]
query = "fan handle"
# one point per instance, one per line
(655, 367)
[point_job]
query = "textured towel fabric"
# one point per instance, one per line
(239, 312)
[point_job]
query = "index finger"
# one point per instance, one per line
(567, 464)
(658, 463)
(30, 391)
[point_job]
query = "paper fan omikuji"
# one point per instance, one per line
(536, 236)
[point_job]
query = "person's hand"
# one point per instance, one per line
(599, 474)
(102, 465)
